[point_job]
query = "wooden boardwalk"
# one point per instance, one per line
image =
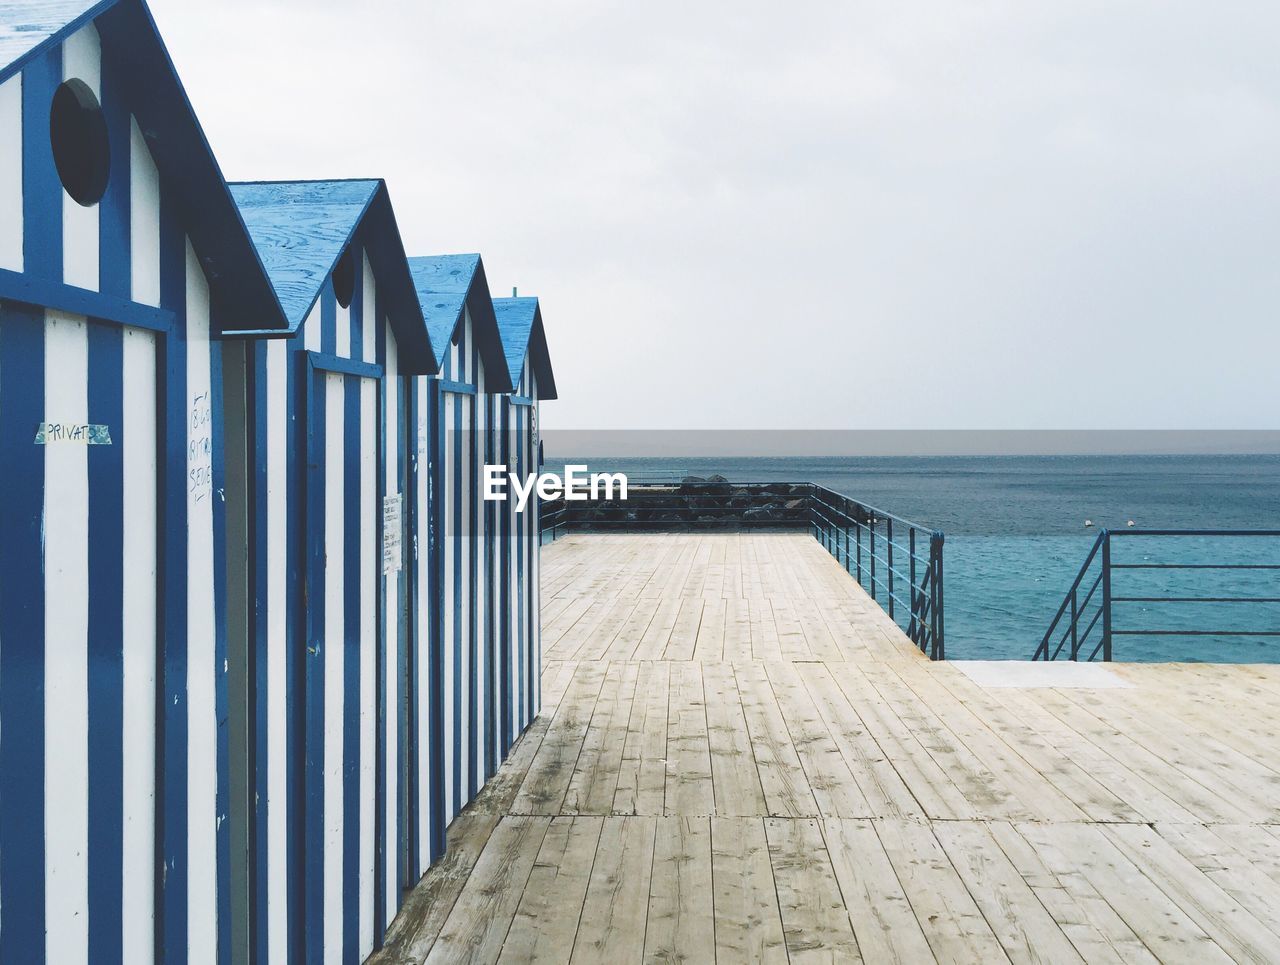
(742, 759)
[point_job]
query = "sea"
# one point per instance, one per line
(1016, 536)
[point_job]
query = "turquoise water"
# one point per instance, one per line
(1015, 538)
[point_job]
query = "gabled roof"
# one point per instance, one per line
(155, 96)
(446, 284)
(523, 338)
(301, 229)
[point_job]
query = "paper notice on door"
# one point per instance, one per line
(391, 529)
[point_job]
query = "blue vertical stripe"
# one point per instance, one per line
(313, 594)
(353, 509)
(257, 389)
(106, 644)
(41, 189)
(328, 318)
(22, 634)
(434, 650)
(299, 486)
(413, 799)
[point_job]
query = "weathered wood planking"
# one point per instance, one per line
(818, 790)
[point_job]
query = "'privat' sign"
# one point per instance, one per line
(576, 484)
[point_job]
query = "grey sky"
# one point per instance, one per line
(820, 215)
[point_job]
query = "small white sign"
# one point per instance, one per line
(391, 527)
(87, 434)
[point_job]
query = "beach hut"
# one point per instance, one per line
(524, 344)
(122, 259)
(452, 414)
(330, 632)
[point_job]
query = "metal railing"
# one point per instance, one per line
(553, 520)
(862, 539)
(1086, 621)
(897, 561)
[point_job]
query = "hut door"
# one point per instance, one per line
(79, 535)
(341, 661)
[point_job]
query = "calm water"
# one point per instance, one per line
(1015, 538)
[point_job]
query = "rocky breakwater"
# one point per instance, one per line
(696, 502)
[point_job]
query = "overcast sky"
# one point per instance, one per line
(815, 215)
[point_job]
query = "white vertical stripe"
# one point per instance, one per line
(81, 60)
(277, 456)
(311, 329)
(391, 685)
(369, 568)
(424, 611)
(66, 687)
(11, 173)
(144, 219)
(369, 312)
(202, 719)
(139, 442)
(334, 640)
(342, 331)
(449, 545)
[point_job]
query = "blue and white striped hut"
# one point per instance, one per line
(524, 345)
(122, 258)
(332, 628)
(452, 412)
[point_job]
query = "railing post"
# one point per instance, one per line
(846, 542)
(911, 549)
(1106, 595)
(872, 554)
(939, 626)
(859, 534)
(888, 550)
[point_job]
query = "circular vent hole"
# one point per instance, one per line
(78, 135)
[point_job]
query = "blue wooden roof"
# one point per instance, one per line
(28, 26)
(443, 283)
(523, 338)
(156, 98)
(301, 229)
(446, 284)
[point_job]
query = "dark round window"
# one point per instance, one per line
(78, 134)
(344, 279)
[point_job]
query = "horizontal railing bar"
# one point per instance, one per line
(1195, 566)
(1195, 599)
(1196, 633)
(1250, 533)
